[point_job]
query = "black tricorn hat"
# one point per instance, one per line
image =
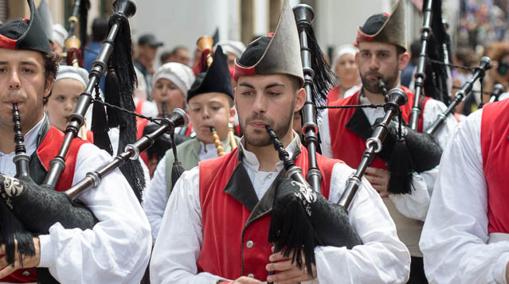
(386, 28)
(215, 80)
(274, 54)
(25, 33)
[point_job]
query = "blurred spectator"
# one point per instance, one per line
(499, 73)
(145, 59)
(347, 73)
(232, 49)
(93, 47)
(179, 54)
(465, 56)
(171, 83)
(58, 39)
(481, 22)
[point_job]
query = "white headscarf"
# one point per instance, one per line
(235, 47)
(342, 50)
(181, 75)
(59, 34)
(70, 72)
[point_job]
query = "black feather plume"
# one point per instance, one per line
(324, 78)
(122, 79)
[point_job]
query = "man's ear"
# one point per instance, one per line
(300, 99)
(404, 58)
(233, 112)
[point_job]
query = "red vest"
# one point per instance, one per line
(333, 95)
(232, 247)
(348, 146)
(47, 150)
(495, 154)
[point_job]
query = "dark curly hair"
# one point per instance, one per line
(51, 61)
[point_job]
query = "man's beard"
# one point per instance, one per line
(374, 86)
(264, 140)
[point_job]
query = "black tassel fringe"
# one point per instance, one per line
(400, 167)
(177, 169)
(12, 230)
(292, 232)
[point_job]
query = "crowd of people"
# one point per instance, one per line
(429, 207)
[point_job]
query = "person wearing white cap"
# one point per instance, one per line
(232, 49)
(169, 90)
(69, 84)
(58, 38)
(346, 71)
(170, 85)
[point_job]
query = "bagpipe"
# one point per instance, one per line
(394, 99)
(498, 90)
(432, 69)
(465, 91)
(31, 207)
(74, 44)
(301, 217)
(318, 79)
(217, 141)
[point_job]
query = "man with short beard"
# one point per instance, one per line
(116, 248)
(216, 224)
(406, 189)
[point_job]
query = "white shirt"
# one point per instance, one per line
(413, 205)
(156, 197)
(117, 249)
(382, 257)
(455, 235)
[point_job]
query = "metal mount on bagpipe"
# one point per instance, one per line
(465, 91)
